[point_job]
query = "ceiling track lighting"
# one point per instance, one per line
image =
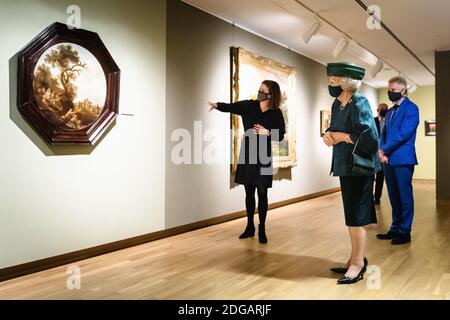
(342, 44)
(311, 31)
(377, 68)
(340, 47)
(412, 87)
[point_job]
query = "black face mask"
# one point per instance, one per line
(335, 91)
(262, 96)
(394, 96)
(383, 113)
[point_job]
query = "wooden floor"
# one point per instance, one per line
(305, 240)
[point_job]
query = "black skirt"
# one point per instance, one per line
(357, 196)
(255, 156)
(254, 175)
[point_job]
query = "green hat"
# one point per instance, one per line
(345, 69)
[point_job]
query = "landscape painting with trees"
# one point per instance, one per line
(69, 86)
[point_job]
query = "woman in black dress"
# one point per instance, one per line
(263, 122)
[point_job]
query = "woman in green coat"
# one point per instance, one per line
(352, 123)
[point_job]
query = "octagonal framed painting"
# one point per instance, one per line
(68, 86)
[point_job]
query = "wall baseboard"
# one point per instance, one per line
(57, 261)
(425, 180)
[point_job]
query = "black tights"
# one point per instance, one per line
(250, 204)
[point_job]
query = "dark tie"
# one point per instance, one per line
(395, 111)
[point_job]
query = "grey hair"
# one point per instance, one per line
(400, 80)
(350, 85)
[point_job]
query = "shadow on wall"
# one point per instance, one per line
(17, 118)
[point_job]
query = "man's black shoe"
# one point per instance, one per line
(402, 239)
(387, 236)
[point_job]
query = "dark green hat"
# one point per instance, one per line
(345, 69)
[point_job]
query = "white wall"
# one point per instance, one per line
(54, 204)
(372, 95)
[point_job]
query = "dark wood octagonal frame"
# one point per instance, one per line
(28, 58)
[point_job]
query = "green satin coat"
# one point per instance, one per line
(354, 119)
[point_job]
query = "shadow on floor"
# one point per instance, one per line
(278, 265)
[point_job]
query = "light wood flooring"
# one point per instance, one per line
(305, 240)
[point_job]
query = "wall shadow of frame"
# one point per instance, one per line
(17, 118)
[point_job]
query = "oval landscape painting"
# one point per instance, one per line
(69, 86)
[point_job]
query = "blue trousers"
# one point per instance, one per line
(399, 185)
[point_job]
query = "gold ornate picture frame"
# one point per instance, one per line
(248, 71)
(325, 120)
(430, 128)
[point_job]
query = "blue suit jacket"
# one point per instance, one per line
(398, 137)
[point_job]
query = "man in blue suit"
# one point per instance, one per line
(398, 154)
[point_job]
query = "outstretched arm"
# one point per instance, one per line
(239, 108)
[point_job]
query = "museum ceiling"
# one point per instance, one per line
(420, 26)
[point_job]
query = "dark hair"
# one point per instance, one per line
(275, 92)
(384, 105)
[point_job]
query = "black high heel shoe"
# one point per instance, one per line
(248, 233)
(342, 270)
(348, 280)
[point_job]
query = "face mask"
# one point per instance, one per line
(335, 91)
(394, 96)
(262, 96)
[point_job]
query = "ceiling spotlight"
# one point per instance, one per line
(312, 31)
(412, 87)
(377, 68)
(341, 46)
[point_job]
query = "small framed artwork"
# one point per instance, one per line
(68, 86)
(430, 127)
(325, 120)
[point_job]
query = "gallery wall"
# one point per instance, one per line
(54, 204)
(198, 71)
(442, 59)
(424, 97)
(59, 200)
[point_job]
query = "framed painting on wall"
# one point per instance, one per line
(68, 86)
(325, 120)
(430, 127)
(248, 71)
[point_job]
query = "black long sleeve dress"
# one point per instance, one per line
(255, 157)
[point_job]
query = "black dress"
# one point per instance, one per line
(255, 157)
